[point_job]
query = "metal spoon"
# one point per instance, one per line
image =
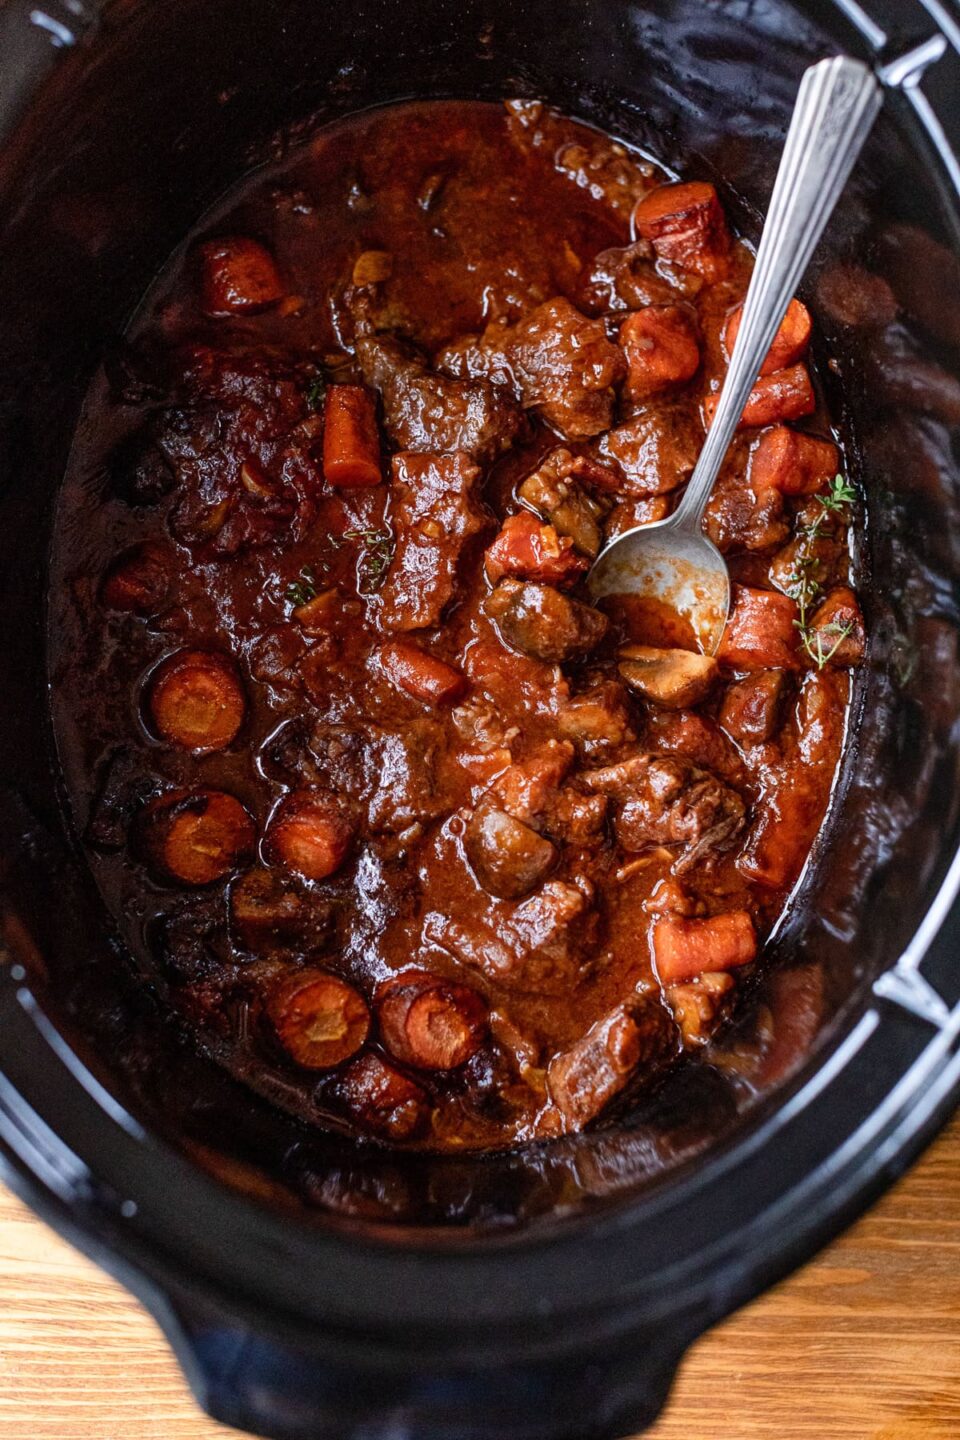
(673, 561)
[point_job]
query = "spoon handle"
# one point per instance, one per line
(836, 105)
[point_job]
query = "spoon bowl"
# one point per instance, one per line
(681, 569)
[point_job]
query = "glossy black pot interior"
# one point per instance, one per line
(547, 1293)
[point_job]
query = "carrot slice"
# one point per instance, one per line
(429, 1022)
(309, 833)
(351, 441)
(761, 631)
(793, 463)
(662, 349)
(319, 1019)
(685, 223)
(196, 700)
(195, 837)
(420, 674)
(530, 550)
(240, 276)
(684, 949)
(784, 395)
(789, 344)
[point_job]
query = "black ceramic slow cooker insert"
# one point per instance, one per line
(312, 1289)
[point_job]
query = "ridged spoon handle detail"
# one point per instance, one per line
(837, 103)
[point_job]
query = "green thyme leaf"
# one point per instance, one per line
(375, 560)
(315, 393)
(302, 591)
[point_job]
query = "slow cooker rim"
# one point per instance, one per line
(804, 1238)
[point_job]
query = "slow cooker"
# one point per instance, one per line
(315, 1290)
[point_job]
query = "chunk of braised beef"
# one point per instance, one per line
(393, 775)
(598, 719)
(655, 452)
(544, 947)
(553, 491)
(669, 801)
(272, 913)
(240, 443)
(383, 1099)
(837, 635)
(813, 559)
(511, 678)
(436, 414)
(539, 621)
(696, 737)
(435, 513)
(750, 709)
(566, 369)
(480, 357)
(528, 788)
(740, 517)
(638, 510)
(583, 1080)
(185, 940)
(625, 278)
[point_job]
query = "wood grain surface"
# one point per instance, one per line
(864, 1344)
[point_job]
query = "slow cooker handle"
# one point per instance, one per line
(343, 1388)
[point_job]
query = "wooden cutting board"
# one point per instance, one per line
(863, 1344)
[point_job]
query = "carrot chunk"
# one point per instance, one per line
(784, 395)
(429, 1022)
(782, 831)
(528, 549)
(683, 949)
(195, 837)
(351, 441)
(309, 833)
(685, 224)
(761, 631)
(383, 1099)
(789, 344)
(421, 674)
(138, 581)
(793, 463)
(196, 700)
(240, 277)
(662, 349)
(319, 1019)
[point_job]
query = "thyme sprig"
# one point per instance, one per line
(805, 588)
(835, 502)
(375, 560)
(315, 392)
(812, 641)
(302, 591)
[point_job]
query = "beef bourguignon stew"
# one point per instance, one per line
(415, 839)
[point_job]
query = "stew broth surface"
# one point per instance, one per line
(394, 820)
